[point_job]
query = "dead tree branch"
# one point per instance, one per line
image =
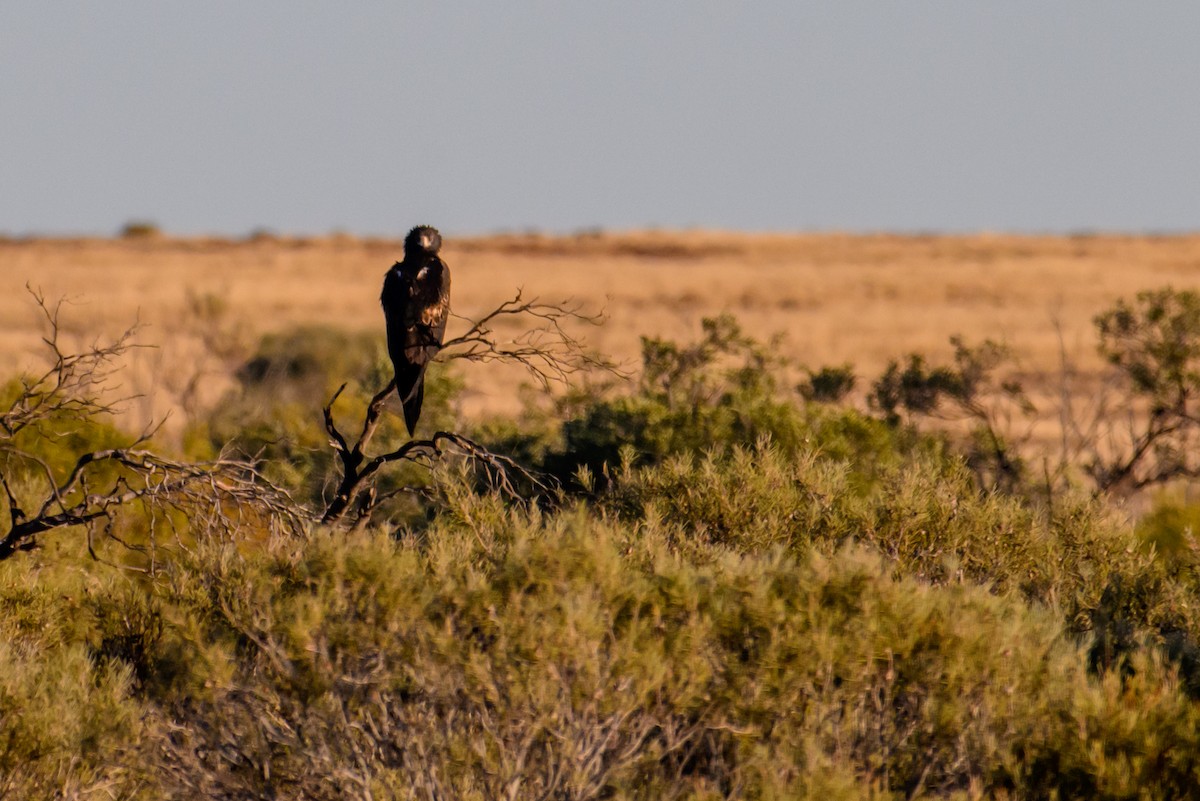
(50, 483)
(548, 350)
(216, 497)
(74, 386)
(356, 488)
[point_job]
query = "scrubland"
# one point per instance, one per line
(713, 575)
(834, 298)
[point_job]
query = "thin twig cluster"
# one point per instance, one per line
(548, 349)
(216, 496)
(73, 386)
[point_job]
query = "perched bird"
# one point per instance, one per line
(416, 303)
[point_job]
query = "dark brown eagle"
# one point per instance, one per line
(416, 303)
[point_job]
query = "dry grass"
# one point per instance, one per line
(835, 298)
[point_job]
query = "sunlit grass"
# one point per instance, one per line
(837, 298)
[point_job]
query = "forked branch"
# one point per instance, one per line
(355, 498)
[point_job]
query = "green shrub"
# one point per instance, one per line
(66, 718)
(761, 599)
(719, 392)
(140, 229)
(715, 393)
(828, 384)
(922, 512)
(1172, 528)
(529, 652)
(538, 652)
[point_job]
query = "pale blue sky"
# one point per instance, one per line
(306, 117)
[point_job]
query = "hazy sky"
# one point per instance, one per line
(306, 117)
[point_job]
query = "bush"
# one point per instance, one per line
(140, 229)
(718, 392)
(829, 384)
(922, 513)
(760, 599)
(1134, 428)
(535, 654)
(69, 718)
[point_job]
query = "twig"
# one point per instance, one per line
(548, 351)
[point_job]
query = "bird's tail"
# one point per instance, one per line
(412, 406)
(410, 385)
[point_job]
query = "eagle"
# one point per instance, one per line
(416, 303)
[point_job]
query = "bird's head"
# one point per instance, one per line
(422, 240)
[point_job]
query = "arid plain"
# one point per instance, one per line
(833, 298)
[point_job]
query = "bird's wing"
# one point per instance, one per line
(396, 310)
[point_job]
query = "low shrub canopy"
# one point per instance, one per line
(730, 593)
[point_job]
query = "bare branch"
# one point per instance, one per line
(357, 482)
(75, 383)
(215, 497)
(548, 350)
(220, 495)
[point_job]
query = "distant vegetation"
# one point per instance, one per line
(140, 229)
(701, 581)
